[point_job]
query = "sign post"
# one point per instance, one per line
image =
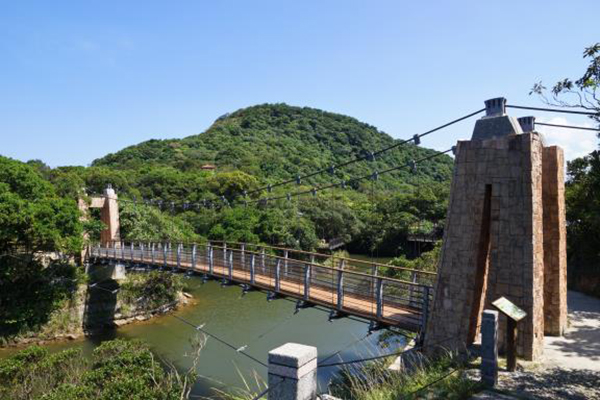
(513, 315)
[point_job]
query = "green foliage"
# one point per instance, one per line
(428, 261)
(583, 181)
(583, 222)
(30, 292)
(151, 290)
(277, 141)
(118, 370)
(146, 223)
(581, 92)
(32, 217)
(389, 218)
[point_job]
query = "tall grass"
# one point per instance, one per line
(419, 378)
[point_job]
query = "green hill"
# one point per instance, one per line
(277, 141)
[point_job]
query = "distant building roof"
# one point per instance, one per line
(208, 166)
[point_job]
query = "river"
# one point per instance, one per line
(248, 320)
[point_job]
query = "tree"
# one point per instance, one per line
(583, 92)
(32, 217)
(583, 177)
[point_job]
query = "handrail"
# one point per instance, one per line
(353, 260)
(356, 260)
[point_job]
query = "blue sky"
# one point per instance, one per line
(81, 79)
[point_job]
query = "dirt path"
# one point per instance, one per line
(571, 365)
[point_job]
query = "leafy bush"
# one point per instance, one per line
(117, 370)
(151, 290)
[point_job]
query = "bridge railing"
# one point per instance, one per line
(367, 266)
(335, 282)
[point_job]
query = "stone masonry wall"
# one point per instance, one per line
(555, 247)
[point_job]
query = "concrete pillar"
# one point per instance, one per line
(293, 372)
(489, 348)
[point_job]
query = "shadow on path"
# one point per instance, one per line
(580, 346)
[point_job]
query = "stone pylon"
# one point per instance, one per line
(109, 214)
(110, 217)
(504, 235)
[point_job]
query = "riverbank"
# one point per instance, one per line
(93, 308)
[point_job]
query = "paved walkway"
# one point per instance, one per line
(571, 365)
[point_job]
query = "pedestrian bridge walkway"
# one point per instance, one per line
(344, 285)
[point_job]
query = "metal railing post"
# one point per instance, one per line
(142, 253)
(252, 272)
(379, 296)
(277, 276)
(132, 249)
(425, 309)
(224, 255)
(179, 248)
(243, 256)
(194, 256)
(340, 286)
(211, 260)
(262, 260)
(230, 265)
(307, 268)
(374, 273)
(411, 289)
(164, 246)
(285, 262)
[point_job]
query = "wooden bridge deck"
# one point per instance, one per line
(384, 300)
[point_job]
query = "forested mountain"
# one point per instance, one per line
(277, 141)
(266, 144)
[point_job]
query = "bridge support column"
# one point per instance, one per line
(293, 372)
(504, 235)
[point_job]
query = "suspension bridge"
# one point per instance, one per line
(346, 286)
(497, 188)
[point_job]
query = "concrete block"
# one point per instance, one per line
(293, 372)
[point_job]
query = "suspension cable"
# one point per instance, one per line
(556, 110)
(356, 179)
(222, 341)
(583, 128)
(415, 138)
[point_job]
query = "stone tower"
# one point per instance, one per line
(505, 235)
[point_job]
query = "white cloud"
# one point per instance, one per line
(575, 142)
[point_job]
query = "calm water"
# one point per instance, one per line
(249, 320)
